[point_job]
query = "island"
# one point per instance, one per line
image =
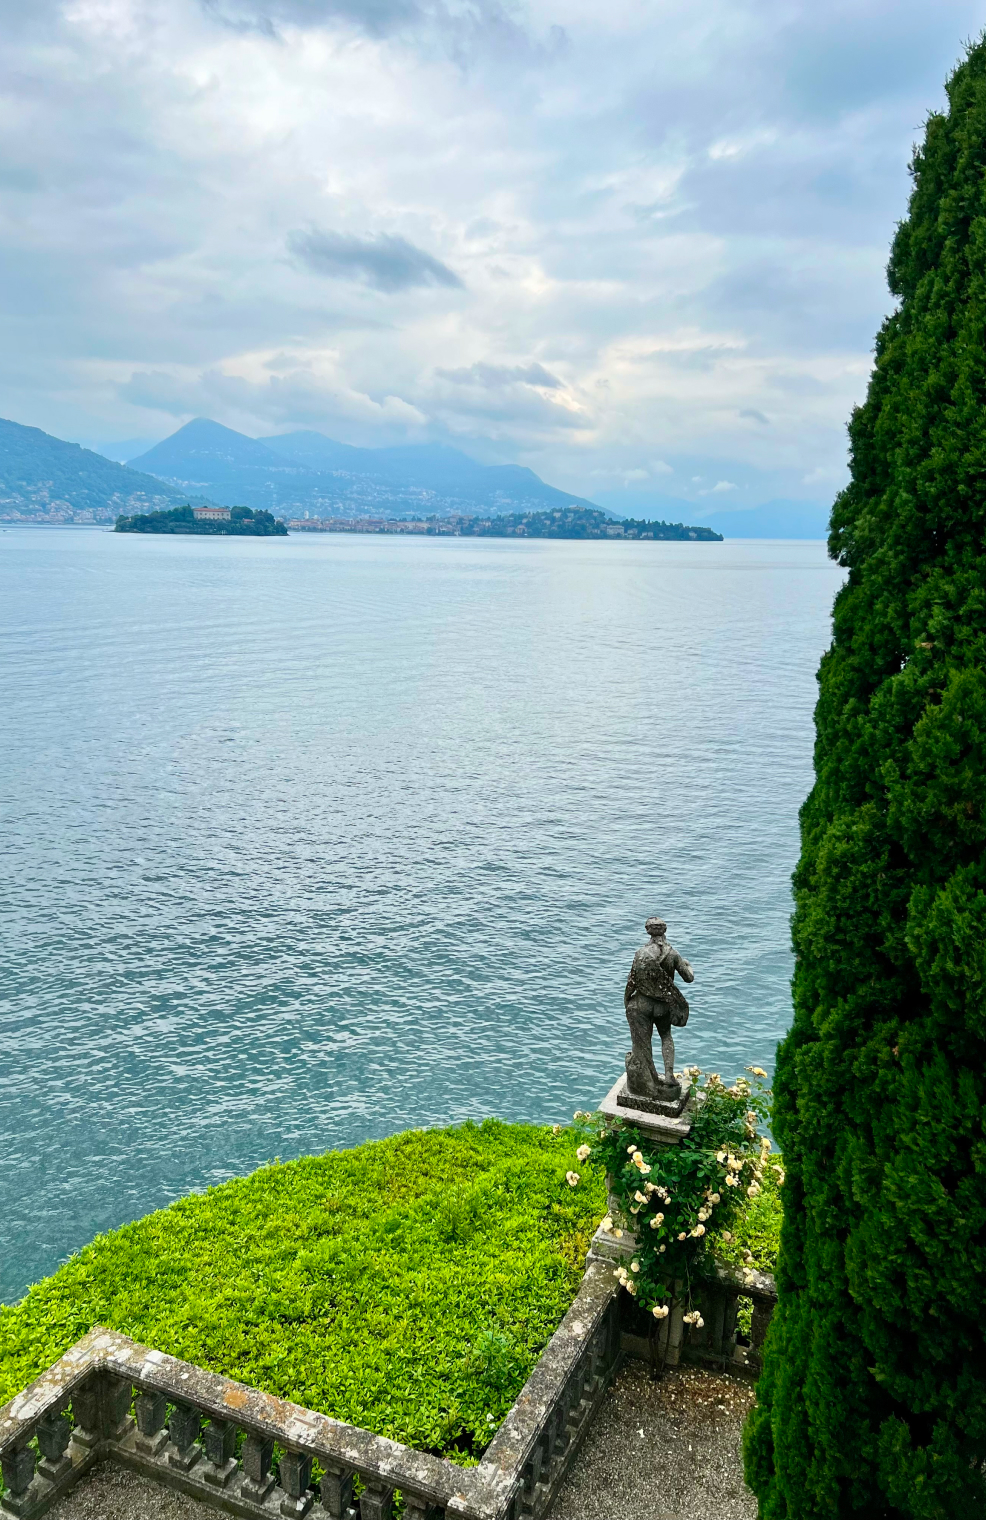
(564, 522)
(204, 519)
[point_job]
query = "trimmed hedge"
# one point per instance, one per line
(873, 1396)
(406, 1286)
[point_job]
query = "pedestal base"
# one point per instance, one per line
(662, 1125)
(670, 1106)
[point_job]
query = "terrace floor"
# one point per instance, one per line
(656, 1451)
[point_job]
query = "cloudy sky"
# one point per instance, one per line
(638, 245)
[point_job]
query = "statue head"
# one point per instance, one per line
(656, 928)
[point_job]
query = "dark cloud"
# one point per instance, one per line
(378, 17)
(754, 416)
(492, 376)
(473, 33)
(386, 262)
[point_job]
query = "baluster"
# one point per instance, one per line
(256, 1457)
(718, 1314)
(531, 1476)
(676, 1332)
(416, 1508)
(151, 1410)
(54, 1433)
(18, 1475)
(729, 1325)
(87, 1412)
(376, 1502)
(295, 1474)
(559, 1431)
(118, 1395)
(219, 1440)
(183, 1428)
(698, 1335)
(336, 1491)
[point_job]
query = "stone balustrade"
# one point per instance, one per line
(252, 1455)
(717, 1299)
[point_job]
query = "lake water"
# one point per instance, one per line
(310, 840)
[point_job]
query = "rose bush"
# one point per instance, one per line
(672, 1197)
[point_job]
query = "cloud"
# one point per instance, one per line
(595, 240)
(377, 17)
(722, 485)
(492, 376)
(387, 262)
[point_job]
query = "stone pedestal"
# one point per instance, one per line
(662, 1128)
(665, 1123)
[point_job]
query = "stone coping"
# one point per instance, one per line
(522, 1467)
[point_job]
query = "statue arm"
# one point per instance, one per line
(683, 969)
(631, 989)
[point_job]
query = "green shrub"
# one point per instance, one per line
(873, 1396)
(406, 1286)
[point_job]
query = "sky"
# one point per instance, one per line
(638, 246)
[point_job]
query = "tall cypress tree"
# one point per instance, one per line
(873, 1397)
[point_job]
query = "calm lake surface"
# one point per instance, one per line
(310, 840)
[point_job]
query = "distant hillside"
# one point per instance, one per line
(45, 480)
(294, 473)
(563, 522)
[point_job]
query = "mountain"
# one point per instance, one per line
(775, 519)
(45, 480)
(307, 472)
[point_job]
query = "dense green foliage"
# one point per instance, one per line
(752, 1237)
(406, 1286)
(242, 520)
(561, 522)
(678, 1198)
(873, 1398)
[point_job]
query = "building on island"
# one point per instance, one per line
(211, 514)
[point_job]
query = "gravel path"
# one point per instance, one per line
(657, 1451)
(108, 1492)
(663, 1451)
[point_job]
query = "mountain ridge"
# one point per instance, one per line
(306, 471)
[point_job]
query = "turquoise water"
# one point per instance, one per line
(310, 840)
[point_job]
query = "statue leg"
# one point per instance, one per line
(667, 1051)
(641, 1072)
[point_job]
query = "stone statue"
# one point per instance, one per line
(652, 1001)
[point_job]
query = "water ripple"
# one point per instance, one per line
(311, 840)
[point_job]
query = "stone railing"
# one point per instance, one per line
(252, 1455)
(715, 1344)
